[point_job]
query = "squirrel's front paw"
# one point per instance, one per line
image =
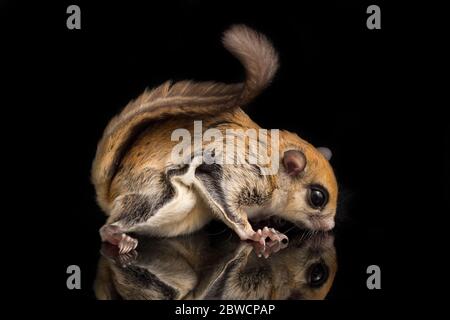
(262, 234)
(264, 248)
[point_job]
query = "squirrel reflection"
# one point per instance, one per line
(201, 266)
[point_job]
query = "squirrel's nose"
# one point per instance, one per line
(327, 224)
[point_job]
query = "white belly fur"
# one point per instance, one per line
(185, 213)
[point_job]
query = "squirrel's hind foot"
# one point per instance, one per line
(115, 235)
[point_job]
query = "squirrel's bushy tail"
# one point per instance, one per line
(184, 98)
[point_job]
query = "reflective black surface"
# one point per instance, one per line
(219, 266)
(340, 86)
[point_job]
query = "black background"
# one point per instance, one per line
(340, 85)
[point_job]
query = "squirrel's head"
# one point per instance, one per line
(310, 183)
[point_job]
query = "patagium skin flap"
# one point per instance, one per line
(142, 190)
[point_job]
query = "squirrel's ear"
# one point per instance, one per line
(294, 162)
(326, 152)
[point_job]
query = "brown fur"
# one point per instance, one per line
(184, 98)
(130, 170)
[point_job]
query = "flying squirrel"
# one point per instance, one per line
(142, 190)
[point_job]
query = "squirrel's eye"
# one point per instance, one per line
(318, 274)
(317, 197)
